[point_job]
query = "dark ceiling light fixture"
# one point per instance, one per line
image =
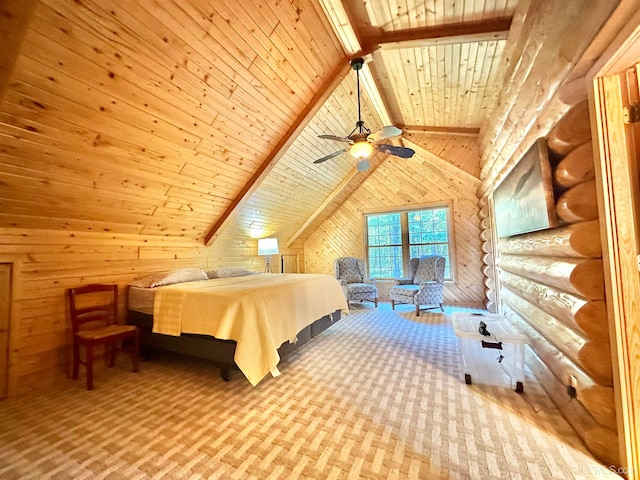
(362, 141)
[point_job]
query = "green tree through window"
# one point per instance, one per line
(393, 238)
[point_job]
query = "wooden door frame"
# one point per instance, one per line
(618, 204)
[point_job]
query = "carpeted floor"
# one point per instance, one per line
(377, 396)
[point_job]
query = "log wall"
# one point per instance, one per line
(551, 286)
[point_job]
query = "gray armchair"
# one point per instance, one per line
(350, 272)
(425, 285)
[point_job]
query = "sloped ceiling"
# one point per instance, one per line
(183, 117)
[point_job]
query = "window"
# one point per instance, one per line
(395, 237)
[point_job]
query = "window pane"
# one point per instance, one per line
(429, 235)
(384, 237)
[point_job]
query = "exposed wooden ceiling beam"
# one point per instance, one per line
(333, 80)
(485, 30)
(471, 132)
(342, 22)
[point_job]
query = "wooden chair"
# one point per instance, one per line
(94, 313)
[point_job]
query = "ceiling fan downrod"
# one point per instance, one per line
(357, 64)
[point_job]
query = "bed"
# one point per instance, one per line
(232, 318)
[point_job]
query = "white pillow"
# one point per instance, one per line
(224, 272)
(167, 278)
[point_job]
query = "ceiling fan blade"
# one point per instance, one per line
(330, 156)
(385, 132)
(402, 152)
(336, 138)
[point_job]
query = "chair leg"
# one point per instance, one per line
(135, 351)
(442, 307)
(417, 310)
(112, 354)
(76, 360)
(375, 300)
(89, 366)
(393, 304)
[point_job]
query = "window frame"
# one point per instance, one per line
(404, 225)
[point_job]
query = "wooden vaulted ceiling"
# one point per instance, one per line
(190, 117)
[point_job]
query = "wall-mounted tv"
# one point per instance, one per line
(524, 201)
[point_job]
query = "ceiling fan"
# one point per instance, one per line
(362, 141)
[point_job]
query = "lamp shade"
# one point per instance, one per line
(267, 246)
(361, 149)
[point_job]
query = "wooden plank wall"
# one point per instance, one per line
(46, 263)
(401, 183)
(552, 288)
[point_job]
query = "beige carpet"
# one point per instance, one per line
(377, 396)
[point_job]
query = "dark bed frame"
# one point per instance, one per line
(218, 352)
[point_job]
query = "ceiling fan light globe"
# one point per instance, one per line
(361, 150)
(363, 165)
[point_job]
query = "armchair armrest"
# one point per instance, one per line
(403, 281)
(372, 281)
(343, 282)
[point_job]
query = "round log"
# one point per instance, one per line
(572, 92)
(487, 259)
(579, 203)
(487, 247)
(488, 271)
(490, 306)
(483, 212)
(485, 223)
(576, 167)
(597, 399)
(491, 295)
(588, 317)
(593, 318)
(593, 357)
(577, 240)
(601, 441)
(571, 131)
(490, 283)
(582, 277)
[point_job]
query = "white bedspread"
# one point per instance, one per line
(259, 312)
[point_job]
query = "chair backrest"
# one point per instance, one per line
(349, 269)
(427, 268)
(93, 305)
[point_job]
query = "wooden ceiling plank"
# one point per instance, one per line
(293, 17)
(470, 87)
(15, 17)
(385, 83)
(276, 154)
(233, 61)
(273, 61)
(491, 29)
(442, 164)
(149, 74)
(322, 206)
